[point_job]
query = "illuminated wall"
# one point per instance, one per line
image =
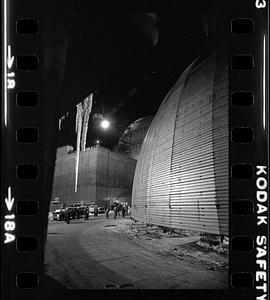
(103, 176)
(181, 178)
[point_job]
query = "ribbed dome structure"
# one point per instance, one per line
(181, 178)
(131, 141)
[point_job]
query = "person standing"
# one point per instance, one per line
(123, 212)
(73, 213)
(96, 211)
(115, 212)
(68, 217)
(86, 214)
(107, 212)
(119, 209)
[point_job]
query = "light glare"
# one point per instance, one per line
(105, 124)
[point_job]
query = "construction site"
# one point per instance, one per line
(140, 148)
(173, 171)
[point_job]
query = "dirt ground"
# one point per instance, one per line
(97, 254)
(178, 243)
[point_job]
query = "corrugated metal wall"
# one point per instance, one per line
(181, 178)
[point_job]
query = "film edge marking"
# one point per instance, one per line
(261, 240)
(260, 4)
(9, 224)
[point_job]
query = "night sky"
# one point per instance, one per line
(128, 60)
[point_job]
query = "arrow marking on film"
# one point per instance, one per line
(9, 201)
(10, 58)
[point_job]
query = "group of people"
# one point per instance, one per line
(123, 209)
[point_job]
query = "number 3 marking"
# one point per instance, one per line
(260, 3)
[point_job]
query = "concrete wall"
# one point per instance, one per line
(95, 185)
(64, 176)
(115, 174)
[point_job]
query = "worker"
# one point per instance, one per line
(107, 212)
(123, 212)
(86, 214)
(68, 216)
(129, 210)
(115, 212)
(96, 211)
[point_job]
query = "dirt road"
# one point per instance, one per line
(88, 254)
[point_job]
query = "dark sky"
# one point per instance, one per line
(128, 59)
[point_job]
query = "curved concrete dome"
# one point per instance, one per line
(140, 124)
(181, 178)
(131, 141)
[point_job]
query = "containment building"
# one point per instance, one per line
(182, 173)
(131, 141)
(104, 176)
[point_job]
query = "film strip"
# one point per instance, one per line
(26, 136)
(246, 170)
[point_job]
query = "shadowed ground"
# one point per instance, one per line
(95, 253)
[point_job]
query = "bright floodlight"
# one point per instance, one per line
(105, 124)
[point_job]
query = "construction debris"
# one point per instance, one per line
(207, 250)
(213, 242)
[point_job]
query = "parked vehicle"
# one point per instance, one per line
(101, 210)
(72, 212)
(59, 214)
(54, 205)
(81, 211)
(75, 212)
(91, 208)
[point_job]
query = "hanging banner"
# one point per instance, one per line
(82, 117)
(87, 107)
(78, 130)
